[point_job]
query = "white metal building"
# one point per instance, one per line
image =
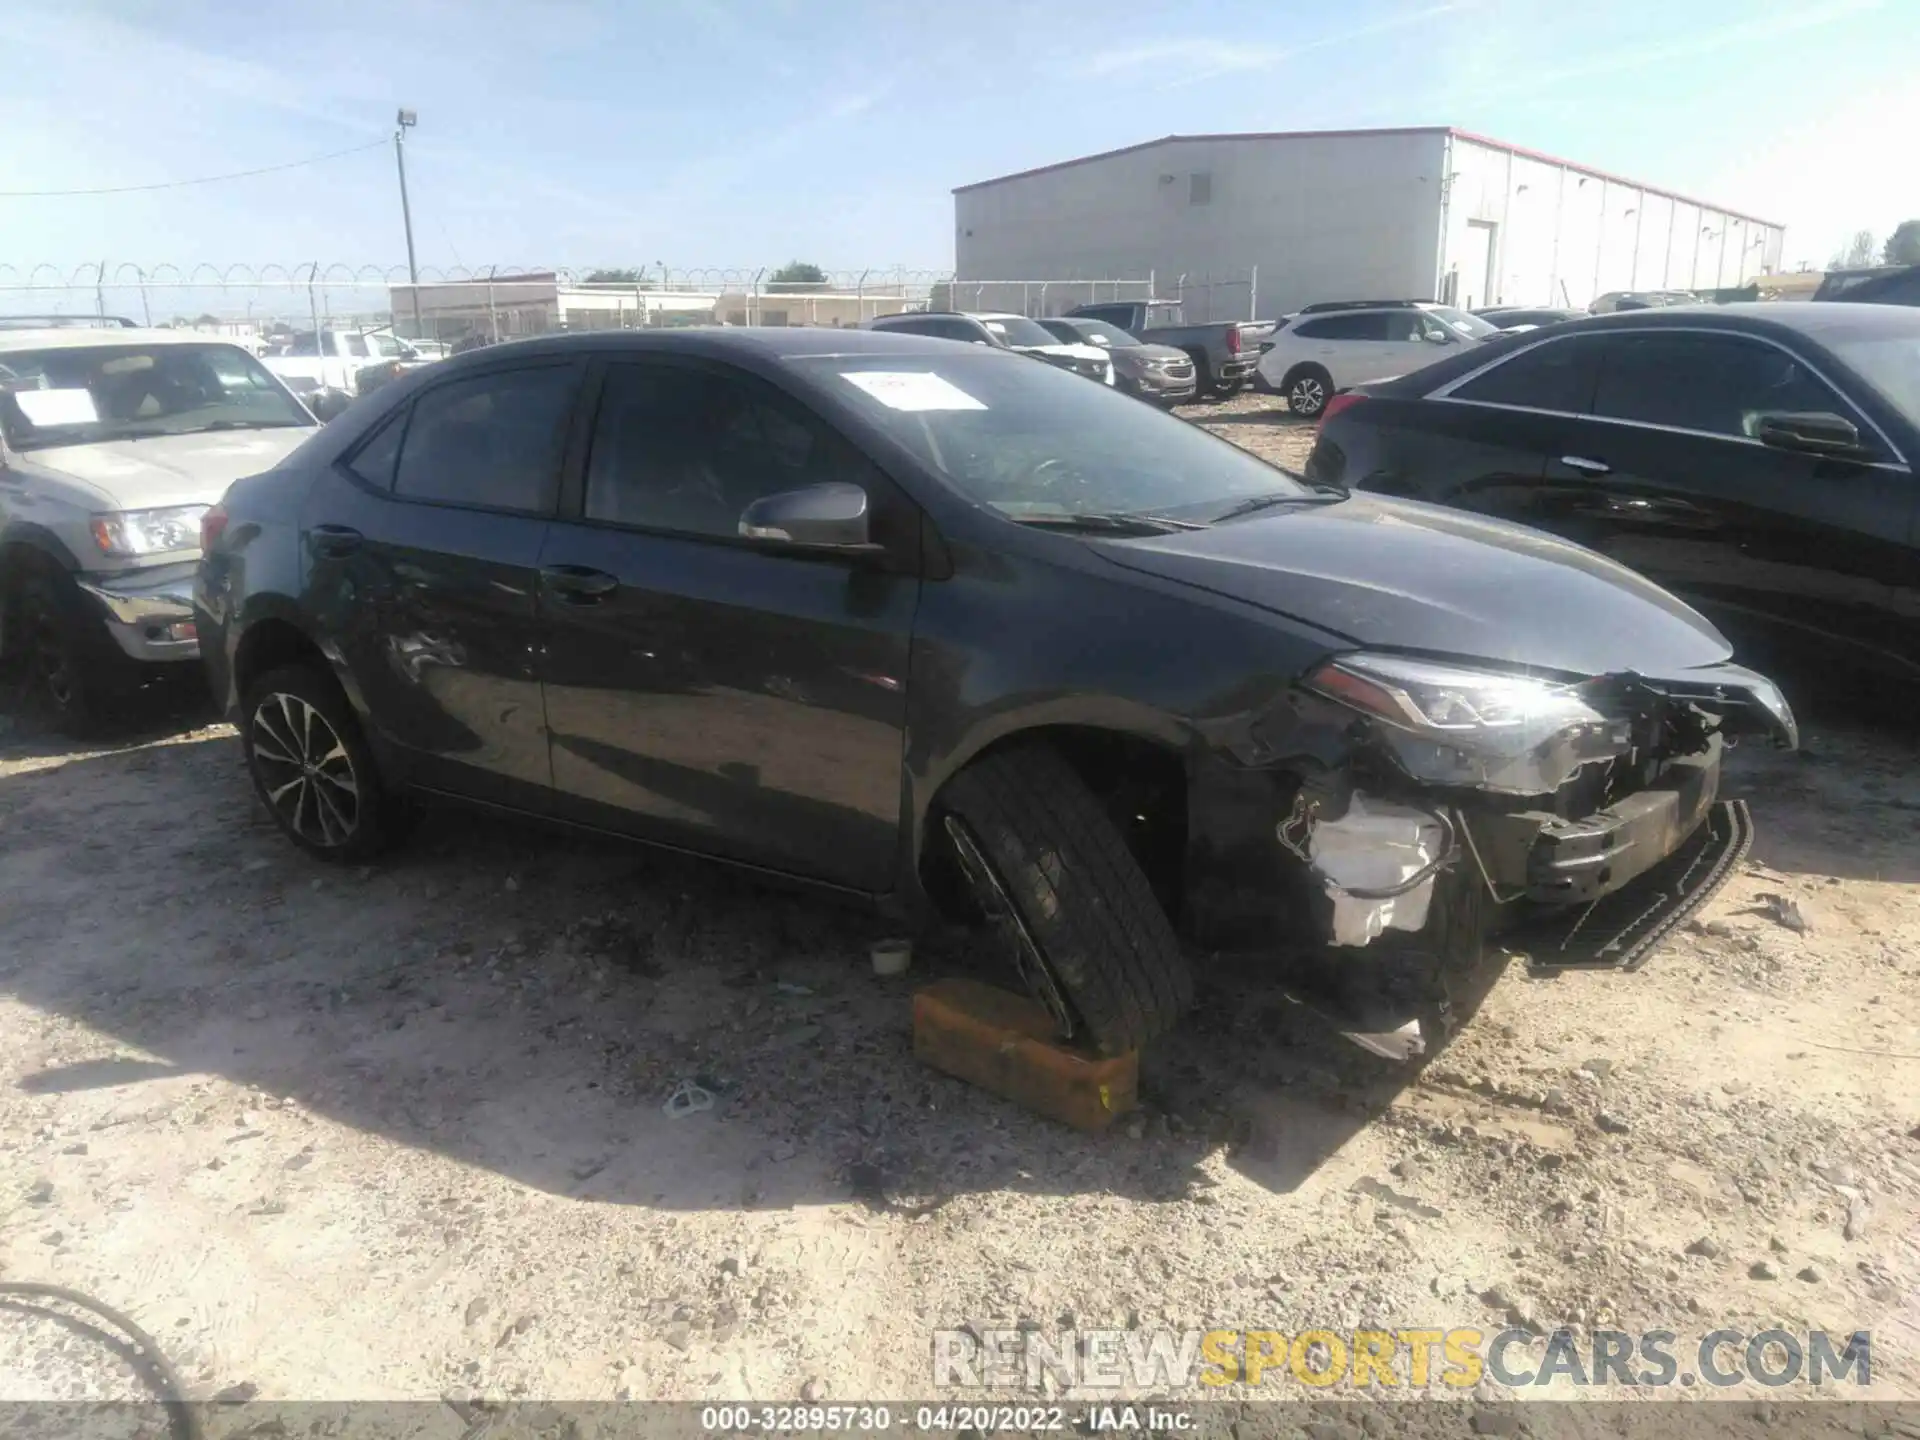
(1293, 218)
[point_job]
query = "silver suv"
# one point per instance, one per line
(113, 443)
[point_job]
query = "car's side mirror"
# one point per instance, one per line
(328, 404)
(1809, 432)
(1439, 337)
(830, 517)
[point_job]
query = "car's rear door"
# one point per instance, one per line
(701, 689)
(1666, 476)
(423, 545)
(1482, 441)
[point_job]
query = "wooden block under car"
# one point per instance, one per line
(1005, 1043)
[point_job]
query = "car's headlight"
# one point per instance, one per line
(127, 533)
(1453, 725)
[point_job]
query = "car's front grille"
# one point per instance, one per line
(1178, 370)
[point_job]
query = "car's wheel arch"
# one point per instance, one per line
(25, 548)
(1091, 738)
(274, 633)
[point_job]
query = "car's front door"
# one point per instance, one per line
(1665, 474)
(423, 547)
(702, 689)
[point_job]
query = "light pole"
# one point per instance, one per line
(404, 122)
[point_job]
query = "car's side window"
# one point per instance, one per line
(379, 454)
(493, 440)
(1712, 383)
(687, 449)
(1555, 376)
(1345, 327)
(1404, 326)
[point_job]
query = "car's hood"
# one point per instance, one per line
(1064, 351)
(1142, 353)
(1400, 575)
(171, 469)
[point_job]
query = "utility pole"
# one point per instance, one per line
(404, 122)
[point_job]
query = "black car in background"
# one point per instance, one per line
(1756, 459)
(1515, 317)
(904, 618)
(1158, 373)
(1880, 285)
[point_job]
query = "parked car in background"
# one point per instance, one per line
(1756, 459)
(896, 617)
(113, 443)
(66, 322)
(1329, 347)
(1520, 317)
(1615, 300)
(1004, 332)
(1882, 285)
(1222, 351)
(330, 369)
(1158, 373)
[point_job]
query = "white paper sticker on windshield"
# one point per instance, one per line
(912, 390)
(57, 407)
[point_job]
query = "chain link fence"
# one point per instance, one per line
(501, 302)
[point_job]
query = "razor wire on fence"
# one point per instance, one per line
(504, 301)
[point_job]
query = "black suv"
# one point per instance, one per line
(905, 618)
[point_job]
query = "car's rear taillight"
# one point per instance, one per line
(213, 525)
(1337, 403)
(1233, 339)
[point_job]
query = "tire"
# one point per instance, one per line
(73, 668)
(1048, 866)
(1307, 388)
(312, 769)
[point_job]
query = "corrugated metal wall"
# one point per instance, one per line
(1417, 213)
(1563, 236)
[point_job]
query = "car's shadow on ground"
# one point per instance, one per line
(526, 1002)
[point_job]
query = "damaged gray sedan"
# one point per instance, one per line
(930, 624)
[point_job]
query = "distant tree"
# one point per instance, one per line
(1860, 251)
(615, 277)
(206, 320)
(1903, 246)
(797, 275)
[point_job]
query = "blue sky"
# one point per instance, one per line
(749, 132)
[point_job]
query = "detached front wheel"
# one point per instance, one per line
(1053, 874)
(312, 768)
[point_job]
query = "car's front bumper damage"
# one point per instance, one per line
(1583, 851)
(149, 612)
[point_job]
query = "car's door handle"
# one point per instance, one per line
(1586, 466)
(577, 584)
(334, 541)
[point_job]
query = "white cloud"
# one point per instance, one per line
(1179, 61)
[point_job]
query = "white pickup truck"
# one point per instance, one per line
(331, 369)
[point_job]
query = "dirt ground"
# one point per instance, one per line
(398, 1132)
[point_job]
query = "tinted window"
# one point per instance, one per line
(1715, 383)
(1556, 376)
(1344, 327)
(494, 440)
(378, 455)
(689, 450)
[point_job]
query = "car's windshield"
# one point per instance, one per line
(1034, 440)
(1099, 332)
(1891, 364)
(1465, 323)
(1018, 330)
(77, 395)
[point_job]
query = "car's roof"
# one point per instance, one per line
(1825, 323)
(82, 339)
(772, 341)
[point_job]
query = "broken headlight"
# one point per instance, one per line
(1453, 725)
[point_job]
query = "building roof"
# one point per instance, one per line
(1447, 130)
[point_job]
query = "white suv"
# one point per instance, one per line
(1334, 346)
(113, 443)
